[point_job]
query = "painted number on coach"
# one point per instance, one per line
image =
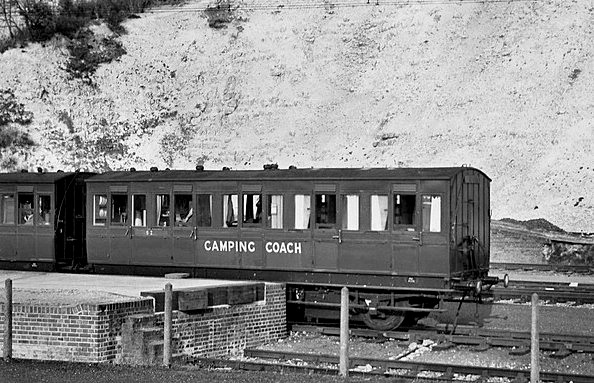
(250, 247)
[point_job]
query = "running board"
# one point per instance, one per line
(365, 307)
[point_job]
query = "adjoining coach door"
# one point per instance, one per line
(406, 230)
(326, 233)
(434, 246)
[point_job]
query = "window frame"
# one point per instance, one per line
(3, 211)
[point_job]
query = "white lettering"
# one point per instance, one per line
(252, 247)
(290, 249)
(215, 246)
(283, 247)
(298, 248)
(269, 247)
(207, 246)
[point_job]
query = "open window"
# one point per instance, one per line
(184, 210)
(26, 211)
(119, 209)
(404, 210)
(325, 211)
(252, 209)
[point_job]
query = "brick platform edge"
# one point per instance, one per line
(110, 332)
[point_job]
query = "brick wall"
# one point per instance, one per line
(229, 330)
(93, 332)
(81, 333)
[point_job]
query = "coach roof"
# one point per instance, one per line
(284, 174)
(33, 177)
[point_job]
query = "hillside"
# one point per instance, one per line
(502, 86)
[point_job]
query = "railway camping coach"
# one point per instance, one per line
(402, 239)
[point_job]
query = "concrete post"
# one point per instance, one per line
(8, 321)
(344, 333)
(168, 325)
(534, 347)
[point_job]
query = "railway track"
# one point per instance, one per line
(573, 269)
(560, 345)
(265, 360)
(551, 291)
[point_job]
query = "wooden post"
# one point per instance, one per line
(344, 333)
(8, 321)
(534, 347)
(167, 325)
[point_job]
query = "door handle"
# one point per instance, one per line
(419, 238)
(339, 236)
(194, 233)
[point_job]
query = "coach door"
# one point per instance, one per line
(182, 219)
(434, 247)
(326, 234)
(406, 229)
(120, 226)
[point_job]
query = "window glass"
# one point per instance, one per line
(44, 207)
(7, 208)
(139, 205)
(99, 209)
(25, 201)
(431, 213)
(350, 212)
(204, 206)
(252, 209)
(275, 211)
(119, 209)
(183, 209)
(325, 211)
(379, 212)
(163, 209)
(302, 211)
(230, 205)
(404, 209)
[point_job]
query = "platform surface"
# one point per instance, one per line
(95, 286)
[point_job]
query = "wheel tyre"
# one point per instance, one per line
(384, 321)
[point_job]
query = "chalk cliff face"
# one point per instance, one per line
(505, 87)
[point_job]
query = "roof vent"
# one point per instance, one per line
(199, 168)
(24, 171)
(60, 171)
(132, 169)
(39, 169)
(292, 167)
(154, 169)
(270, 166)
(225, 168)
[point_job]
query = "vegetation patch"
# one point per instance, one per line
(13, 142)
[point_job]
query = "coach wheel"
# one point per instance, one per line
(384, 320)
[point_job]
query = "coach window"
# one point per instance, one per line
(275, 212)
(325, 211)
(99, 209)
(204, 213)
(25, 201)
(404, 209)
(230, 205)
(183, 209)
(139, 206)
(252, 209)
(7, 209)
(431, 213)
(163, 209)
(379, 212)
(119, 209)
(350, 212)
(302, 211)
(44, 208)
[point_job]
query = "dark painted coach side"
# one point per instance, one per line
(442, 241)
(42, 220)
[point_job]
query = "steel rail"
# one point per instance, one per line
(382, 366)
(561, 344)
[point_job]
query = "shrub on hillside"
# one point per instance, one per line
(87, 53)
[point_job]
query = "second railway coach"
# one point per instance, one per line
(402, 239)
